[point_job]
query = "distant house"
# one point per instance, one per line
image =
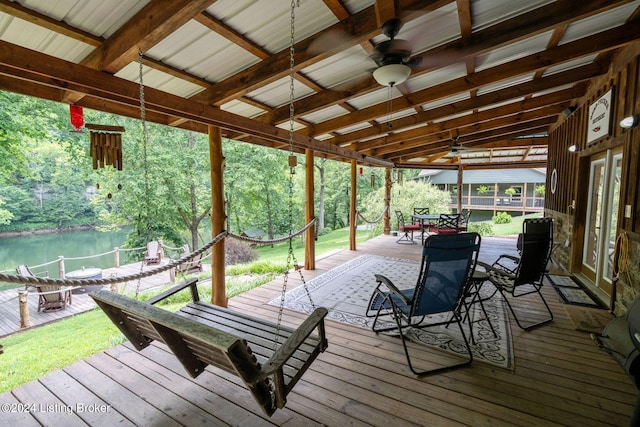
(519, 191)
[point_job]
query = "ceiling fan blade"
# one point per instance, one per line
(330, 40)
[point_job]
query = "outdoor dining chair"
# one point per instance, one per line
(406, 229)
(448, 224)
(447, 265)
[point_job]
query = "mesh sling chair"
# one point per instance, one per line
(406, 229)
(447, 264)
(527, 273)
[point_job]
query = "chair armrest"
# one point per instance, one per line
(192, 283)
(393, 289)
(509, 257)
(490, 268)
(295, 340)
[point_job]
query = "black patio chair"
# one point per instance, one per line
(425, 225)
(448, 224)
(527, 274)
(447, 264)
(406, 229)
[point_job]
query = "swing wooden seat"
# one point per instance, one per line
(202, 334)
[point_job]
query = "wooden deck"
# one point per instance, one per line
(10, 310)
(560, 378)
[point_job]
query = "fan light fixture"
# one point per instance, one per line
(392, 74)
(630, 121)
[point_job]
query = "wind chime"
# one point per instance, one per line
(106, 146)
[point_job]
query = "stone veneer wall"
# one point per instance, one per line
(628, 285)
(562, 230)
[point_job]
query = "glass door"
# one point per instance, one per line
(601, 221)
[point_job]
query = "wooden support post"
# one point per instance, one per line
(352, 207)
(218, 217)
(24, 309)
(116, 256)
(61, 267)
(460, 171)
(310, 238)
(387, 201)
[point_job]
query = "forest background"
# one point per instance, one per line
(163, 191)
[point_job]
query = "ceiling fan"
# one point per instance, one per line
(393, 56)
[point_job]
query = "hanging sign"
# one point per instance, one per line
(599, 120)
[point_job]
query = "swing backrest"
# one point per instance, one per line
(202, 334)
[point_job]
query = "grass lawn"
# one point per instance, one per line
(33, 353)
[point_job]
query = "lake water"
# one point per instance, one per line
(39, 249)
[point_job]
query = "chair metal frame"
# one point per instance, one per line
(448, 224)
(528, 270)
(448, 263)
(406, 229)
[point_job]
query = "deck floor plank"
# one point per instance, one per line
(560, 377)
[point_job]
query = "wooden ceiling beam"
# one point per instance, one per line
(153, 23)
(358, 27)
(464, 125)
(17, 10)
(521, 130)
(603, 41)
(350, 140)
(567, 77)
(477, 44)
(337, 8)
(232, 35)
(54, 72)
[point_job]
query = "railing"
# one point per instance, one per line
(500, 202)
(60, 261)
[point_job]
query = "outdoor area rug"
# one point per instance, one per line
(345, 291)
(573, 292)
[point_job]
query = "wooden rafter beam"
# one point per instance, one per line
(232, 35)
(53, 72)
(153, 23)
(361, 26)
(17, 10)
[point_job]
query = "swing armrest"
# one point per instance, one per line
(191, 283)
(293, 343)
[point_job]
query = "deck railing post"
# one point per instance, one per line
(24, 308)
(116, 255)
(61, 267)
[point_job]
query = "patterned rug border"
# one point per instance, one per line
(488, 349)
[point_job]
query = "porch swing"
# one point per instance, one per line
(202, 334)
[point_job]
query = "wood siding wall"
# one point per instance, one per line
(573, 171)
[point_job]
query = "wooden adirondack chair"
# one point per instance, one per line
(154, 253)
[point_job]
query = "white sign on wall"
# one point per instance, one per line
(599, 120)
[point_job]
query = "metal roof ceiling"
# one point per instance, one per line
(483, 61)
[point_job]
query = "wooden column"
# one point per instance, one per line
(352, 206)
(310, 239)
(218, 217)
(460, 172)
(387, 201)
(24, 309)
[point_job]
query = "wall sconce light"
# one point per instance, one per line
(574, 148)
(630, 122)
